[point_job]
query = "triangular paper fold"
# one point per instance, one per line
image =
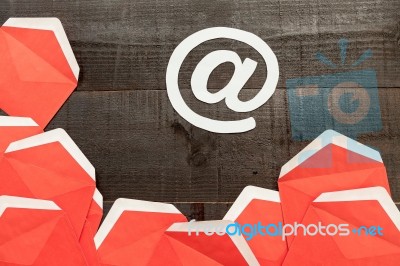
(364, 229)
(39, 68)
(50, 166)
(261, 208)
(331, 162)
(36, 232)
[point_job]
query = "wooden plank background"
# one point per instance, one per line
(121, 117)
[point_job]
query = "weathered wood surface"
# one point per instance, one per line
(142, 149)
(126, 45)
(121, 118)
(193, 210)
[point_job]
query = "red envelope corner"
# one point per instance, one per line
(360, 209)
(331, 162)
(192, 244)
(260, 206)
(132, 231)
(15, 128)
(50, 166)
(90, 227)
(95, 213)
(39, 69)
(38, 233)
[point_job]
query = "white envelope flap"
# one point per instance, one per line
(25, 203)
(121, 205)
(248, 194)
(56, 135)
(323, 140)
(52, 24)
(14, 121)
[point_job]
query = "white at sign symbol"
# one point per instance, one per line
(243, 71)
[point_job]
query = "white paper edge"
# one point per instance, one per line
(248, 194)
(98, 198)
(52, 24)
(335, 138)
(25, 203)
(121, 205)
(372, 193)
(14, 121)
(56, 135)
(239, 241)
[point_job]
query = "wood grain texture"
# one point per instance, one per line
(199, 211)
(121, 117)
(126, 45)
(142, 149)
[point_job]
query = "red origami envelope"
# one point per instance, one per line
(373, 236)
(38, 233)
(331, 162)
(90, 227)
(149, 233)
(259, 206)
(95, 213)
(202, 244)
(132, 231)
(50, 166)
(15, 128)
(39, 69)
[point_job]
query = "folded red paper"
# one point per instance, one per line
(50, 166)
(192, 243)
(331, 162)
(132, 231)
(90, 227)
(150, 233)
(261, 207)
(374, 230)
(16, 128)
(95, 213)
(39, 69)
(38, 233)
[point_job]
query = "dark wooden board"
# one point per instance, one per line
(142, 149)
(199, 211)
(126, 45)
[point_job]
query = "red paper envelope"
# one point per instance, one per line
(39, 69)
(331, 162)
(261, 207)
(373, 236)
(132, 231)
(36, 232)
(202, 244)
(92, 223)
(50, 166)
(95, 213)
(86, 242)
(15, 128)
